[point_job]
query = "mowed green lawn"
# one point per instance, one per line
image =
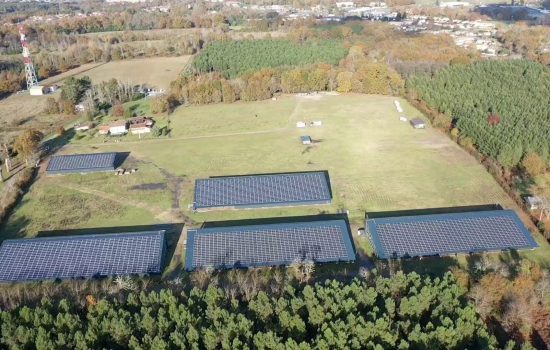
(375, 161)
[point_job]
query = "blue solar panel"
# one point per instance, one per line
(81, 256)
(263, 190)
(79, 163)
(443, 234)
(269, 245)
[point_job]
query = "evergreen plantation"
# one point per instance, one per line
(402, 312)
(234, 58)
(517, 91)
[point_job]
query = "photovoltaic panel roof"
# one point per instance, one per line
(77, 163)
(269, 245)
(263, 190)
(443, 234)
(86, 256)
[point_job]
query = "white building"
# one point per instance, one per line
(36, 90)
(118, 128)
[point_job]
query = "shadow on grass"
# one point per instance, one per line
(430, 211)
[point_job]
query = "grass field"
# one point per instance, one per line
(156, 71)
(375, 162)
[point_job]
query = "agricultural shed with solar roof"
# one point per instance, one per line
(268, 190)
(269, 245)
(446, 234)
(82, 163)
(86, 256)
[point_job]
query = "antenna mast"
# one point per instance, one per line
(29, 67)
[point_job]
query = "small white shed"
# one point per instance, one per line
(36, 90)
(300, 124)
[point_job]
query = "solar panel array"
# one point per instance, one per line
(442, 234)
(262, 190)
(82, 163)
(81, 256)
(269, 245)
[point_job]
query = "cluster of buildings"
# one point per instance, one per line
(134, 126)
(478, 34)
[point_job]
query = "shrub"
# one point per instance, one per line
(533, 164)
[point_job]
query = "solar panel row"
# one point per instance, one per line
(78, 163)
(81, 256)
(269, 245)
(443, 234)
(262, 190)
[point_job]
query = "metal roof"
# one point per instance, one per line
(305, 138)
(86, 256)
(443, 234)
(269, 245)
(77, 163)
(263, 190)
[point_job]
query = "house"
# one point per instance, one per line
(300, 124)
(418, 123)
(36, 90)
(140, 128)
(103, 129)
(306, 140)
(119, 127)
(141, 120)
(533, 202)
(83, 127)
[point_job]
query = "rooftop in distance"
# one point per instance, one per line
(267, 190)
(445, 234)
(82, 163)
(87, 256)
(269, 245)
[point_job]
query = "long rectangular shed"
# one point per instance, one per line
(252, 191)
(269, 245)
(447, 234)
(82, 163)
(86, 256)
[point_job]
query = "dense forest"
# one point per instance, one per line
(503, 106)
(234, 58)
(402, 312)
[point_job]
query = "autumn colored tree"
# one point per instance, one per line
(27, 143)
(118, 110)
(533, 164)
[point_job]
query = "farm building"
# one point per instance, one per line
(103, 129)
(317, 123)
(119, 127)
(447, 234)
(140, 125)
(83, 256)
(257, 191)
(269, 245)
(84, 127)
(418, 123)
(306, 140)
(82, 163)
(36, 90)
(300, 124)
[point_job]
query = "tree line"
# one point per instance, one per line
(401, 312)
(501, 106)
(354, 73)
(234, 58)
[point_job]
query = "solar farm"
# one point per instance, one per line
(82, 163)
(262, 190)
(269, 245)
(37, 259)
(446, 234)
(211, 168)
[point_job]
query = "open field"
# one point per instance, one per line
(156, 72)
(375, 162)
(22, 111)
